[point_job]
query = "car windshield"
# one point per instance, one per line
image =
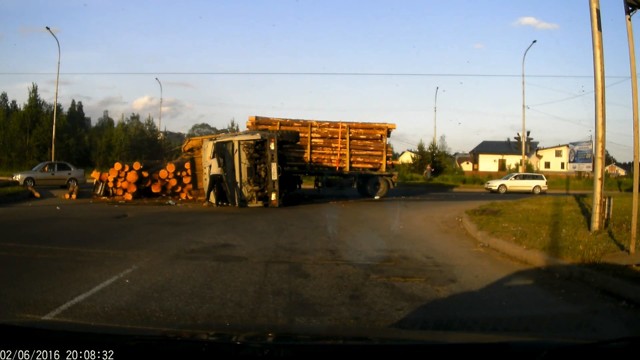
(319, 167)
(38, 167)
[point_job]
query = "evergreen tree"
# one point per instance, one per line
(202, 129)
(421, 160)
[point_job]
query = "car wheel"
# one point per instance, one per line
(72, 183)
(29, 182)
(502, 189)
(537, 190)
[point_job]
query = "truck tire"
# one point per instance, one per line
(377, 187)
(361, 186)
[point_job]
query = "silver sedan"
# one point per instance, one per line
(59, 173)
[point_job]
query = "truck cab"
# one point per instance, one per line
(251, 167)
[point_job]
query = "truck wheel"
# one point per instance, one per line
(361, 186)
(377, 187)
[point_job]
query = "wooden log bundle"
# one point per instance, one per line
(339, 145)
(129, 181)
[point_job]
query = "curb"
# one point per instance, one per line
(623, 289)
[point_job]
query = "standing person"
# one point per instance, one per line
(427, 171)
(215, 183)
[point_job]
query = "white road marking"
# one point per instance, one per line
(87, 294)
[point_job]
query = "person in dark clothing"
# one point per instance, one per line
(215, 190)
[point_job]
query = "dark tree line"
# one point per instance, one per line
(436, 156)
(26, 132)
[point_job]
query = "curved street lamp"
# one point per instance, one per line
(160, 120)
(55, 101)
(435, 100)
(523, 135)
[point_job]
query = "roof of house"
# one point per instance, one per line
(553, 147)
(462, 157)
(501, 147)
(616, 166)
(408, 151)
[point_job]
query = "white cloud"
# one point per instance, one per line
(536, 23)
(145, 104)
(478, 46)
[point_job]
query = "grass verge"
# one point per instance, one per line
(11, 193)
(558, 225)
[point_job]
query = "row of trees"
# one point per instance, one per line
(26, 132)
(437, 157)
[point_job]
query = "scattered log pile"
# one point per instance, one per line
(33, 192)
(129, 181)
(344, 146)
(72, 192)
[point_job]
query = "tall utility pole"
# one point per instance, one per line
(598, 71)
(630, 7)
(434, 116)
(523, 136)
(160, 119)
(55, 101)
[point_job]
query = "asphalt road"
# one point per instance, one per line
(332, 261)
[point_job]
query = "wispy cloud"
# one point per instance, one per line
(478, 46)
(27, 30)
(150, 105)
(535, 23)
(181, 84)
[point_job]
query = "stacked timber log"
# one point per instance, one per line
(338, 145)
(129, 181)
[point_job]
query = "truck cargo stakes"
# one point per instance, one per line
(263, 164)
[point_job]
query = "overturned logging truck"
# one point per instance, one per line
(263, 164)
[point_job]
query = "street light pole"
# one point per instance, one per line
(600, 116)
(523, 135)
(630, 7)
(434, 116)
(55, 101)
(160, 120)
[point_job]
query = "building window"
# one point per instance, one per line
(547, 165)
(558, 153)
(562, 166)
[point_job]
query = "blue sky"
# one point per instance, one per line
(374, 60)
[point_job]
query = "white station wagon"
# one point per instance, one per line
(518, 182)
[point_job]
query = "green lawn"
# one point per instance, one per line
(11, 193)
(558, 225)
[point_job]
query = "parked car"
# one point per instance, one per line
(53, 173)
(518, 182)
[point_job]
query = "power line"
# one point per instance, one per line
(241, 73)
(574, 96)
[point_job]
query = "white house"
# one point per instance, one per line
(615, 170)
(494, 156)
(552, 159)
(463, 161)
(407, 157)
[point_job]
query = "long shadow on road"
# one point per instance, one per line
(521, 305)
(410, 192)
